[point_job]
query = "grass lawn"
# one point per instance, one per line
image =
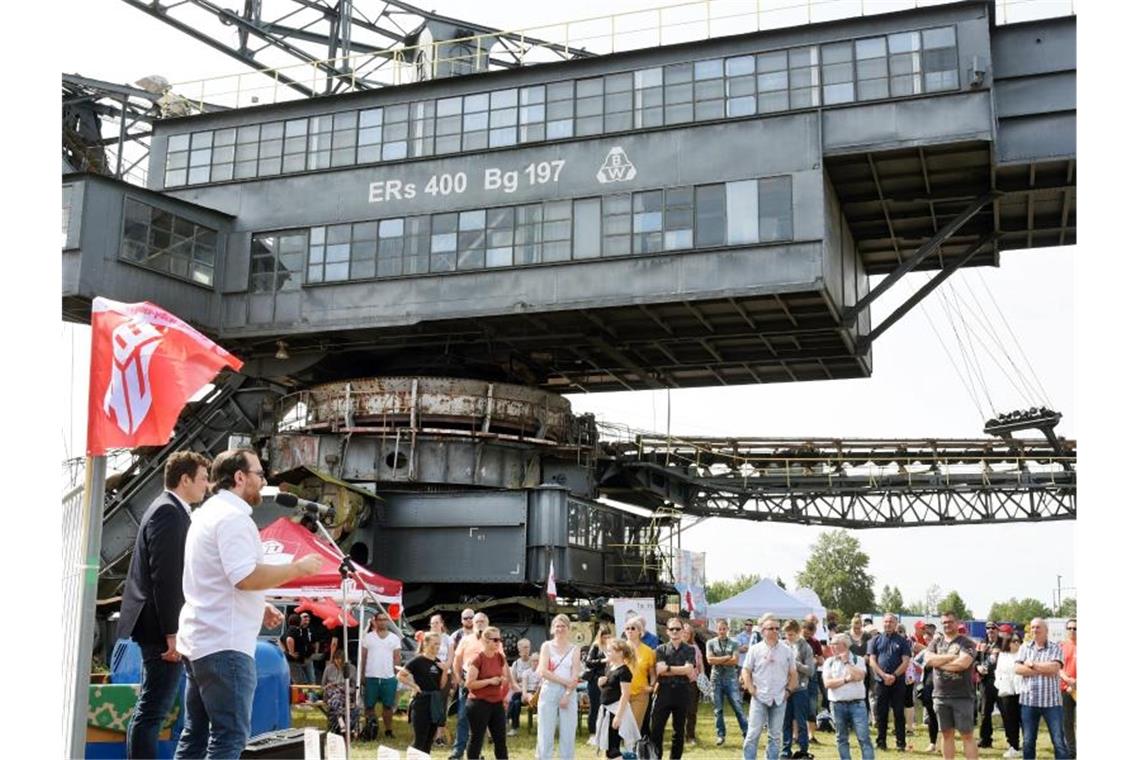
(522, 746)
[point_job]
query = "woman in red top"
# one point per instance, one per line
(488, 683)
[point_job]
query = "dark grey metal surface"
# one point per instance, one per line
(873, 182)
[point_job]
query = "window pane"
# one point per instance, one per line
(710, 215)
(775, 209)
(876, 47)
(745, 64)
(587, 228)
(937, 38)
(743, 217)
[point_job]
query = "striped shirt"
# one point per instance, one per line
(1042, 690)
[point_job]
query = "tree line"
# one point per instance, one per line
(837, 570)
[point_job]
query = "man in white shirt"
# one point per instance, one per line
(769, 676)
(223, 582)
(843, 675)
(381, 658)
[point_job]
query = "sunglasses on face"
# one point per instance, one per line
(1070, 628)
(468, 618)
(632, 628)
(673, 630)
(492, 638)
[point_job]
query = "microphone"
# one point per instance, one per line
(289, 501)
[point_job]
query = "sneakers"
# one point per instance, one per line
(592, 741)
(1011, 752)
(692, 742)
(389, 735)
(515, 732)
(931, 749)
(813, 740)
(720, 741)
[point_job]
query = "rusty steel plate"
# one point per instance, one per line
(425, 402)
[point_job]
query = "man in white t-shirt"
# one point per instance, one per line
(770, 676)
(381, 658)
(843, 675)
(224, 583)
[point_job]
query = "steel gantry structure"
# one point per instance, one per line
(889, 483)
(351, 44)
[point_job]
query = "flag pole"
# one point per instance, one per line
(87, 566)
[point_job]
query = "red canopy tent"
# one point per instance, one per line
(284, 541)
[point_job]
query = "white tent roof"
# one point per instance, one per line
(763, 598)
(809, 597)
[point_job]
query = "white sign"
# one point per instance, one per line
(617, 167)
(334, 747)
(312, 744)
(443, 184)
(624, 609)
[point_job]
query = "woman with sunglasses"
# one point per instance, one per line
(488, 683)
(559, 666)
(644, 670)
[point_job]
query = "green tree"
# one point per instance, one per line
(1019, 610)
(718, 591)
(914, 608)
(890, 600)
(953, 601)
(1068, 608)
(837, 571)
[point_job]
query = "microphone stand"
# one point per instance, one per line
(347, 570)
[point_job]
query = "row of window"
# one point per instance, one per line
(644, 222)
(159, 240)
(907, 63)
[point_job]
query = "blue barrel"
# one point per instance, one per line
(271, 708)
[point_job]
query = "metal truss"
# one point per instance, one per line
(849, 484)
(350, 44)
(107, 127)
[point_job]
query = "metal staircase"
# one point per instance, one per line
(233, 408)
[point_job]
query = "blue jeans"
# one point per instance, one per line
(157, 691)
(551, 716)
(514, 710)
(1030, 720)
(797, 711)
(846, 715)
(725, 685)
(219, 703)
(759, 716)
(462, 728)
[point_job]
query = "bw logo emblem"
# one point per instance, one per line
(617, 167)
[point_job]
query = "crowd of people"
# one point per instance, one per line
(195, 602)
(779, 677)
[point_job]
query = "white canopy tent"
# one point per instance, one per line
(763, 598)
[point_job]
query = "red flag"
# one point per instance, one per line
(551, 590)
(145, 365)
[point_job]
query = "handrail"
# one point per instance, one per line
(688, 21)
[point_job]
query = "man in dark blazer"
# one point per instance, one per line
(152, 597)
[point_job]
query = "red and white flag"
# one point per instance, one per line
(146, 364)
(551, 589)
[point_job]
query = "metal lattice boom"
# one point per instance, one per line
(851, 483)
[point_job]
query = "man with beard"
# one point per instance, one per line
(223, 582)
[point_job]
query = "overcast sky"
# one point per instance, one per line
(916, 390)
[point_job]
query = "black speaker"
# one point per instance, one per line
(288, 743)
